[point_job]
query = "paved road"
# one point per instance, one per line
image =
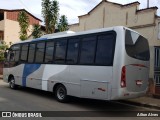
(25, 99)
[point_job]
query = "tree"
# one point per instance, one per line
(63, 23)
(3, 47)
(50, 12)
(36, 31)
(46, 8)
(54, 15)
(23, 20)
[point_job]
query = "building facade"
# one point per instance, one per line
(9, 26)
(144, 21)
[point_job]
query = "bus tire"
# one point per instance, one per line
(12, 84)
(61, 94)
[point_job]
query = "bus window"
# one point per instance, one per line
(60, 51)
(88, 50)
(136, 46)
(72, 51)
(31, 53)
(24, 53)
(49, 52)
(40, 52)
(14, 53)
(105, 49)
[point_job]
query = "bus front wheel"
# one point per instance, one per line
(61, 93)
(12, 84)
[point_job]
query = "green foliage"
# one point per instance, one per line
(50, 12)
(46, 6)
(3, 47)
(23, 20)
(63, 23)
(54, 15)
(36, 31)
(23, 36)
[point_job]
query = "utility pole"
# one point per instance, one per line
(147, 3)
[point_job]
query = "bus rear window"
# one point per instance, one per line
(136, 46)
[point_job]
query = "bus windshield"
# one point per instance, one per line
(136, 46)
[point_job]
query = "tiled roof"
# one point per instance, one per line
(21, 10)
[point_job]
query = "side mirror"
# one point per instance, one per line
(5, 54)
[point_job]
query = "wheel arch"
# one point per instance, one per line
(9, 77)
(56, 85)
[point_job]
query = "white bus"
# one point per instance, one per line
(106, 64)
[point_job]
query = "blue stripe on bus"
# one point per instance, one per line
(28, 69)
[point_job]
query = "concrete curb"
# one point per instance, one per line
(153, 106)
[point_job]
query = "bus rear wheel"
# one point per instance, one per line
(12, 84)
(61, 93)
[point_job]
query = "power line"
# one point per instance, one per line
(24, 5)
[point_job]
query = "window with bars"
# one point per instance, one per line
(157, 66)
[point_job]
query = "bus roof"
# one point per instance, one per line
(72, 33)
(57, 34)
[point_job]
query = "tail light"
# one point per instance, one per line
(123, 77)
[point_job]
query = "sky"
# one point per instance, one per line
(71, 8)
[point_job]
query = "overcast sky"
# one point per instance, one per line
(70, 8)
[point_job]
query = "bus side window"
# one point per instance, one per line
(31, 53)
(72, 51)
(24, 53)
(11, 56)
(87, 52)
(105, 49)
(14, 53)
(40, 52)
(60, 52)
(49, 52)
